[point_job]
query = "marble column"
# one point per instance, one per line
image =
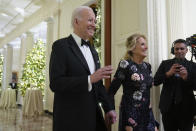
(175, 20)
(48, 94)
(7, 66)
(27, 41)
(22, 61)
(22, 53)
(157, 44)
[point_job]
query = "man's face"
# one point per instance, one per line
(180, 50)
(86, 24)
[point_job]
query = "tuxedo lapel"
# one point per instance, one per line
(95, 57)
(76, 50)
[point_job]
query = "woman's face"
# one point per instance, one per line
(140, 48)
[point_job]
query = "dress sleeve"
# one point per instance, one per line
(119, 77)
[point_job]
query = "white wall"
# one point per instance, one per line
(189, 20)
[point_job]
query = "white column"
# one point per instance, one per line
(27, 42)
(22, 53)
(175, 20)
(22, 61)
(48, 94)
(157, 43)
(7, 66)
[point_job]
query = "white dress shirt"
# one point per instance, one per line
(87, 55)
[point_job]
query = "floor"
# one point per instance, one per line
(12, 120)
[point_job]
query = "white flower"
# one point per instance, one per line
(135, 77)
(123, 63)
(142, 77)
(137, 95)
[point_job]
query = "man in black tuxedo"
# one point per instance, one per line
(177, 102)
(13, 85)
(76, 79)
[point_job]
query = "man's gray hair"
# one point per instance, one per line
(77, 13)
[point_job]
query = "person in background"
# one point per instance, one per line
(136, 78)
(177, 101)
(13, 85)
(76, 79)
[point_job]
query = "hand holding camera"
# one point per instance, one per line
(183, 72)
(178, 71)
(178, 68)
(175, 68)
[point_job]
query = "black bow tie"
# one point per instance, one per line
(85, 43)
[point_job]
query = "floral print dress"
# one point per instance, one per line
(136, 80)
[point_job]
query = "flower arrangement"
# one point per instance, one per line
(137, 95)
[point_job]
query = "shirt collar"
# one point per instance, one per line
(77, 39)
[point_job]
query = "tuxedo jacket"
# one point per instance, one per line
(13, 85)
(75, 108)
(169, 84)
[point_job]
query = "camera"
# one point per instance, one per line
(178, 67)
(191, 41)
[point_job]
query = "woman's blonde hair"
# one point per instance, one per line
(131, 43)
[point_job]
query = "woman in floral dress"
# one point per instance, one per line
(135, 76)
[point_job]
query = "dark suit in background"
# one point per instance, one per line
(177, 101)
(13, 85)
